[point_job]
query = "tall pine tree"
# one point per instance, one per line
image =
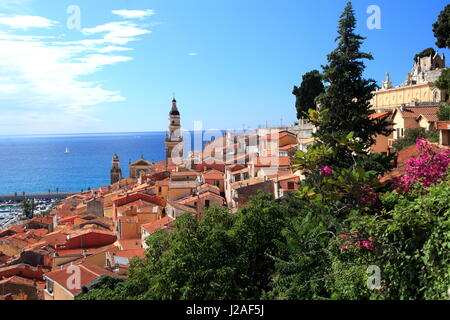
(347, 95)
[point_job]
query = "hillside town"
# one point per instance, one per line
(102, 230)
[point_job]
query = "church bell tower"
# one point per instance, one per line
(116, 172)
(174, 138)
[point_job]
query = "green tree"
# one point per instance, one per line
(441, 28)
(443, 82)
(219, 256)
(444, 112)
(103, 289)
(345, 105)
(411, 136)
(310, 88)
(411, 244)
(425, 53)
(28, 208)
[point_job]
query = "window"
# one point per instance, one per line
(402, 132)
(159, 190)
(49, 286)
(291, 185)
(206, 203)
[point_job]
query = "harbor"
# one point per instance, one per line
(11, 212)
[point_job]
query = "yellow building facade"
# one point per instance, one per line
(389, 99)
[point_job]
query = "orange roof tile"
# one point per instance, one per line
(248, 182)
(130, 244)
(378, 115)
(288, 147)
(414, 112)
(18, 280)
(154, 226)
(212, 174)
(130, 253)
(88, 273)
(271, 161)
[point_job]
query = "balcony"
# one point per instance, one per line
(173, 139)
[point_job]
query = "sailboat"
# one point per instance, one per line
(67, 151)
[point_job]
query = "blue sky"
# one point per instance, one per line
(230, 63)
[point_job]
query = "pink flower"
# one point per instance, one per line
(368, 195)
(427, 169)
(326, 171)
(367, 244)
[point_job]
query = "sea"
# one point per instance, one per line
(40, 163)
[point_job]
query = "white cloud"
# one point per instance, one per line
(133, 14)
(117, 32)
(42, 84)
(15, 5)
(192, 54)
(25, 22)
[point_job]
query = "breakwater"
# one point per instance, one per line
(41, 196)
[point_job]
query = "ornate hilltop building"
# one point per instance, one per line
(417, 89)
(174, 138)
(116, 172)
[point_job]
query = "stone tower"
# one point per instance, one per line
(116, 172)
(174, 138)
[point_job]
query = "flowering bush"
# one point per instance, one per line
(352, 242)
(368, 195)
(326, 171)
(429, 168)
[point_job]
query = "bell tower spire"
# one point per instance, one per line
(116, 172)
(174, 138)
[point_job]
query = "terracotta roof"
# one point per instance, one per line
(430, 117)
(279, 135)
(244, 170)
(213, 174)
(14, 228)
(245, 183)
(238, 159)
(38, 232)
(130, 253)
(271, 161)
(443, 125)
(378, 115)
(18, 280)
(415, 112)
(208, 187)
(183, 185)
(130, 244)
(185, 173)
(182, 207)
(154, 226)
(282, 177)
(288, 147)
(236, 167)
(88, 273)
(193, 198)
(138, 204)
